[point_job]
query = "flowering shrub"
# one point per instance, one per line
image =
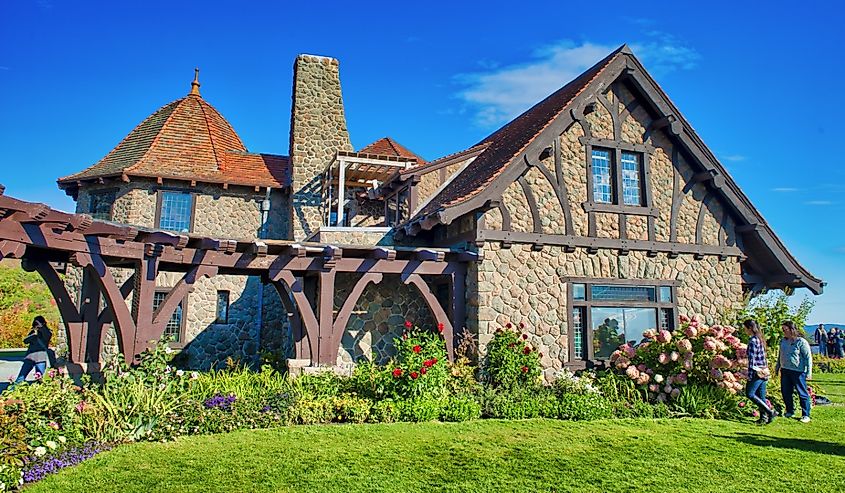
(511, 362)
(828, 365)
(421, 366)
(665, 362)
(221, 402)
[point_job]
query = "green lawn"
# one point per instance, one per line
(490, 455)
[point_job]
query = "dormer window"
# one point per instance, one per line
(175, 211)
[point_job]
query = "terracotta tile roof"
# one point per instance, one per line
(507, 142)
(188, 139)
(386, 146)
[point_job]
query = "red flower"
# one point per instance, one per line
(397, 372)
(521, 325)
(526, 350)
(512, 344)
(525, 337)
(524, 369)
(433, 361)
(427, 363)
(541, 355)
(423, 370)
(508, 325)
(414, 375)
(440, 327)
(408, 324)
(417, 348)
(404, 335)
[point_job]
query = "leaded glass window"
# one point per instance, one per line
(602, 176)
(631, 179)
(578, 333)
(622, 293)
(176, 211)
(173, 329)
(100, 205)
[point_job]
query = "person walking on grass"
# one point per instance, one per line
(38, 342)
(795, 365)
(758, 372)
(821, 340)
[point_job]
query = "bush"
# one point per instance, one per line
(23, 295)
(707, 401)
(350, 409)
(460, 408)
(384, 411)
(770, 310)
(511, 362)
(823, 364)
(421, 366)
(519, 404)
(419, 409)
(584, 407)
(309, 411)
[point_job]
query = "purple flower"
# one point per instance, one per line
(219, 401)
(36, 468)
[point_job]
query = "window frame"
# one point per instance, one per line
(159, 202)
(617, 205)
(183, 325)
(587, 304)
(217, 319)
(92, 194)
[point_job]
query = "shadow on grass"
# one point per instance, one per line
(826, 448)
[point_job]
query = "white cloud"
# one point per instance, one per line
(498, 94)
(819, 202)
(786, 189)
(734, 158)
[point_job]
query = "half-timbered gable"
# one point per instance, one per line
(601, 213)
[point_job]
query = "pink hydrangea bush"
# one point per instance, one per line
(665, 362)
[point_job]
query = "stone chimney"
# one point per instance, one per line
(317, 132)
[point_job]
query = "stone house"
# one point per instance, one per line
(594, 215)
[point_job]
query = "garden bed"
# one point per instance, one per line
(489, 455)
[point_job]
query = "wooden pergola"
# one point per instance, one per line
(46, 240)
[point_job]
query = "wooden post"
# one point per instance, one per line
(326, 310)
(341, 191)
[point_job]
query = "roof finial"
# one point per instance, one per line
(195, 85)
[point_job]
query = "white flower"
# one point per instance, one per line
(40, 451)
(168, 350)
(62, 439)
(167, 369)
(179, 373)
(658, 378)
(194, 375)
(51, 444)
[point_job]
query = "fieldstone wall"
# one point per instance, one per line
(318, 131)
(518, 284)
(232, 213)
(378, 318)
(355, 236)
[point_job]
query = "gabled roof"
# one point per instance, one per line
(506, 143)
(769, 263)
(187, 139)
(386, 146)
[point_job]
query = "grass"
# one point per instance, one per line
(491, 455)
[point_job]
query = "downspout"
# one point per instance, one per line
(262, 234)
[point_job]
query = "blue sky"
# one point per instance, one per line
(759, 84)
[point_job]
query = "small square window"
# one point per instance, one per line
(222, 307)
(176, 211)
(579, 292)
(665, 294)
(100, 205)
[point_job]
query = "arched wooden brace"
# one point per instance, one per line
(294, 318)
(124, 325)
(342, 318)
(162, 315)
(74, 327)
(434, 305)
(309, 320)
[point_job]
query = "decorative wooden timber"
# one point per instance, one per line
(41, 237)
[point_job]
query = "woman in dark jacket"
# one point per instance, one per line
(38, 341)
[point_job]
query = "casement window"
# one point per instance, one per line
(609, 176)
(100, 204)
(176, 325)
(222, 307)
(175, 211)
(605, 314)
